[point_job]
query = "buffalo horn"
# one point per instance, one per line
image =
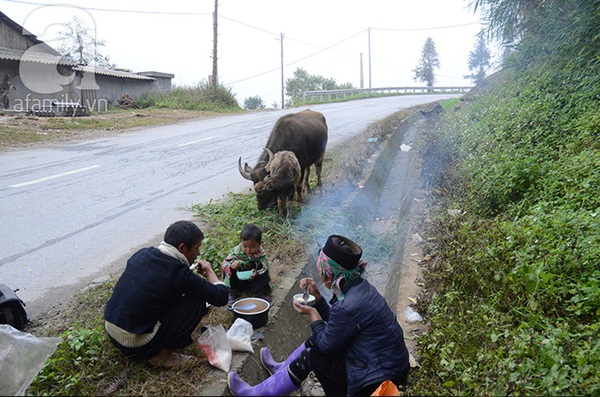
(243, 172)
(270, 153)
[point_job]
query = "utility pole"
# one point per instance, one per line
(369, 57)
(215, 75)
(362, 82)
(281, 35)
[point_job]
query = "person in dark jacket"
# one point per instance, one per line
(356, 342)
(159, 300)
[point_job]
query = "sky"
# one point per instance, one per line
(377, 42)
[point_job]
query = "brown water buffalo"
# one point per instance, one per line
(303, 133)
(280, 184)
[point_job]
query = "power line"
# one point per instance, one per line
(431, 28)
(299, 60)
(110, 9)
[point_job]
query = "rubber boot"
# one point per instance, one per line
(279, 384)
(273, 366)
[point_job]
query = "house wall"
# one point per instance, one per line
(111, 89)
(9, 38)
(29, 96)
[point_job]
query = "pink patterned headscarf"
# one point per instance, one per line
(328, 267)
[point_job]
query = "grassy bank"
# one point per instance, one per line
(514, 292)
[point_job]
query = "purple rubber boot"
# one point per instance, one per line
(279, 384)
(273, 366)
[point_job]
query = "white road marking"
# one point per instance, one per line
(261, 126)
(199, 140)
(55, 176)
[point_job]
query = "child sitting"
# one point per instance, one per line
(246, 268)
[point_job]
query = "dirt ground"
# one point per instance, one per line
(21, 131)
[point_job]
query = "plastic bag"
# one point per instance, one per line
(411, 315)
(22, 357)
(239, 335)
(387, 388)
(213, 341)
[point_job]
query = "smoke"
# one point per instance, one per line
(372, 213)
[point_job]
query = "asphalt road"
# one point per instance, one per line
(72, 212)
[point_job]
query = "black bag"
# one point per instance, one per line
(12, 309)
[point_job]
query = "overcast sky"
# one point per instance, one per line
(324, 37)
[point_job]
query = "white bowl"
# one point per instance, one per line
(298, 299)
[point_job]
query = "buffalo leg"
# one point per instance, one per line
(280, 205)
(318, 167)
(306, 178)
(299, 188)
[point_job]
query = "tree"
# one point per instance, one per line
(424, 72)
(81, 47)
(254, 102)
(303, 81)
(479, 60)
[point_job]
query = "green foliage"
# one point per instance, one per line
(517, 306)
(254, 102)
(303, 81)
(71, 369)
(425, 70)
(560, 32)
(199, 97)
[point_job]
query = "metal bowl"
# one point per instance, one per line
(253, 310)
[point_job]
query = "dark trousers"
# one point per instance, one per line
(175, 331)
(331, 372)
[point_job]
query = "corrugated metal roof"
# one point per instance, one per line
(33, 56)
(112, 72)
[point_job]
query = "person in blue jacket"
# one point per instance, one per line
(159, 300)
(356, 342)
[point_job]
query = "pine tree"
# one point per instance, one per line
(479, 61)
(424, 72)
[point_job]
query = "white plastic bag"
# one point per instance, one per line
(22, 357)
(239, 335)
(412, 316)
(213, 341)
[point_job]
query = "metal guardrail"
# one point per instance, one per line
(337, 94)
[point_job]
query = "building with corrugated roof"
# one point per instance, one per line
(34, 76)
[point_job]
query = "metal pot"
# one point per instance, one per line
(253, 310)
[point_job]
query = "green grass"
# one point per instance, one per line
(515, 306)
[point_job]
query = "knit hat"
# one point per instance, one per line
(343, 251)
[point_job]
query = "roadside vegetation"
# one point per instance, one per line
(203, 96)
(513, 290)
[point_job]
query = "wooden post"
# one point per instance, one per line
(215, 76)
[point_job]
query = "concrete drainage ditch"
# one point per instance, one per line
(383, 203)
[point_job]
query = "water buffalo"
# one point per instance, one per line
(303, 133)
(280, 184)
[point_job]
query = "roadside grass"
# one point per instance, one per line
(86, 363)
(513, 301)
(202, 96)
